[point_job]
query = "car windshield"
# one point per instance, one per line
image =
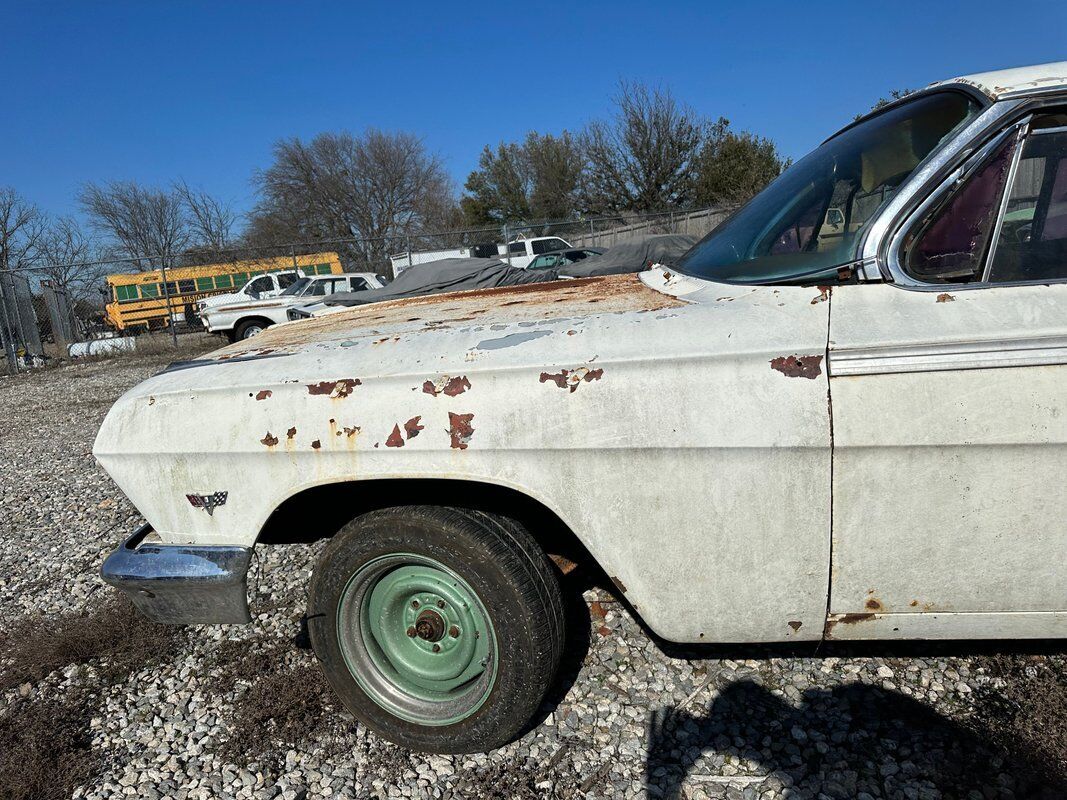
(297, 287)
(809, 221)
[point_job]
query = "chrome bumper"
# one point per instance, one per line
(181, 584)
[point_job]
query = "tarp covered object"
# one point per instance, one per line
(445, 275)
(632, 256)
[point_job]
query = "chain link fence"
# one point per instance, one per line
(59, 311)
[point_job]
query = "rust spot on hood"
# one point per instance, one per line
(798, 366)
(315, 445)
(796, 624)
(412, 427)
(945, 297)
(269, 440)
(396, 438)
(603, 294)
(342, 387)
(450, 387)
(263, 395)
(570, 379)
(290, 433)
(460, 429)
(822, 296)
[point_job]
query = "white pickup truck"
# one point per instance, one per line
(518, 253)
(258, 288)
(247, 318)
(808, 428)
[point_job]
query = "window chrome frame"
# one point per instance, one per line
(882, 248)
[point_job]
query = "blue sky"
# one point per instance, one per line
(152, 91)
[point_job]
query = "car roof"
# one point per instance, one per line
(1015, 82)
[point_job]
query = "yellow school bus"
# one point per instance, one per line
(138, 300)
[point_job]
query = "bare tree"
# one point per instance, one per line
(211, 222)
(640, 159)
(66, 252)
(21, 228)
(142, 221)
(374, 185)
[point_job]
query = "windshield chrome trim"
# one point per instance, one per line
(916, 190)
(980, 97)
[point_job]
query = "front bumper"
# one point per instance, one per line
(179, 583)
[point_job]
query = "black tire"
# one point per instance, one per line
(512, 578)
(248, 328)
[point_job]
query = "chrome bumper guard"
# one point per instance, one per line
(181, 584)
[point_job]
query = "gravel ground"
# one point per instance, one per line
(97, 704)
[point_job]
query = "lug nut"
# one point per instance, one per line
(440, 603)
(437, 648)
(414, 603)
(453, 632)
(412, 631)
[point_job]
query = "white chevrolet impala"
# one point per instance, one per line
(842, 415)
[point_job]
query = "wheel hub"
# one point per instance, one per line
(430, 626)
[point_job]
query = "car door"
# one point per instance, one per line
(949, 404)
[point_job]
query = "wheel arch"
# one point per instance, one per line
(318, 512)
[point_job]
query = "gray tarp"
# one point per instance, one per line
(632, 256)
(446, 275)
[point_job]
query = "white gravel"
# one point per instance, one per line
(633, 717)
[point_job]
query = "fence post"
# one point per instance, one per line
(292, 255)
(507, 244)
(166, 293)
(592, 235)
(5, 330)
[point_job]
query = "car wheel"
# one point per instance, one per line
(440, 629)
(248, 329)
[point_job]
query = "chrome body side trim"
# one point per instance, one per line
(883, 360)
(181, 584)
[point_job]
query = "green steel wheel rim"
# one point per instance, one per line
(417, 639)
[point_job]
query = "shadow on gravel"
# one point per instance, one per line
(840, 742)
(45, 743)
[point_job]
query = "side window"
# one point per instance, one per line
(1032, 244)
(287, 279)
(517, 248)
(357, 285)
(264, 284)
(950, 245)
(316, 289)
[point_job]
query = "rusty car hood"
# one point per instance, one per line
(474, 310)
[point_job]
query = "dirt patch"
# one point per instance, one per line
(44, 747)
(286, 705)
(1023, 709)
(45, 743)
(113, 633)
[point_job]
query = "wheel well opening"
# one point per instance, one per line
(321, 511)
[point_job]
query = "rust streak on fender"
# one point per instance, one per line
(460, 429)
(340, 388)
(290, 433)
(822, 296)
(396, 438)
(798, 366)
(945, 297)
